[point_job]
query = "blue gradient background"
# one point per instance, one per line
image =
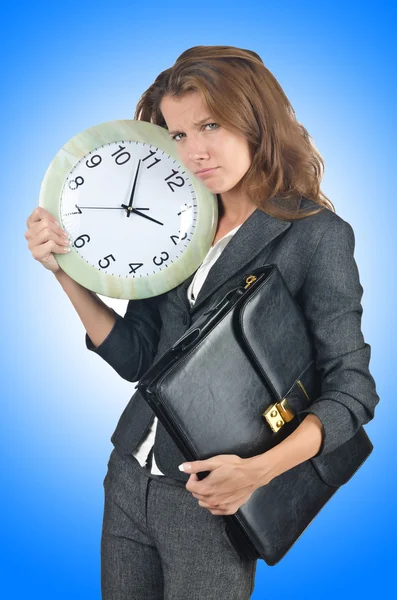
(66, 67)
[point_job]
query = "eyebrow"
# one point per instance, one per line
(199, 123)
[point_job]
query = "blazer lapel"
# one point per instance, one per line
(254, 234)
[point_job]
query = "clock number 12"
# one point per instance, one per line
(171, 183)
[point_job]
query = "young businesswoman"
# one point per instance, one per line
(163, 533)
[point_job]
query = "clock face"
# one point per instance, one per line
(94, 209)
(139, 221)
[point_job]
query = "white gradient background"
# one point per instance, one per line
(70, 66)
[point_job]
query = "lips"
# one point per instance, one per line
(206, 171)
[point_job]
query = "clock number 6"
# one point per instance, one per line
(80, 241)
(161, 259)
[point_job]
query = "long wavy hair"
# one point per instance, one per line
(241, 93)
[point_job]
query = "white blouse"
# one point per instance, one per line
(141, 453)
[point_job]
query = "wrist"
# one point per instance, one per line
(302, 444)
(263, 468)
(266, 467)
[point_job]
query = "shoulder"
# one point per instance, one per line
(323, 227)
(330, 242)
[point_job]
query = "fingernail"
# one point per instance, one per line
(181, 467)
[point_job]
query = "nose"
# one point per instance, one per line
(196, 149)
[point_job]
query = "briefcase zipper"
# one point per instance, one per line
(302, 387)
(280, 412)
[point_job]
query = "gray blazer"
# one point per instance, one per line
(315, 258)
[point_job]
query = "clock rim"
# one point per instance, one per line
(88, 275)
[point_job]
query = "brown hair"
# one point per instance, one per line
(241, 93)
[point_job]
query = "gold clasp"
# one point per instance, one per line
(278, 414)
(250, 279)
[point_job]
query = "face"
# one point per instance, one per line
(204, 144)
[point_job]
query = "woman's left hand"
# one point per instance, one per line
(230, 484)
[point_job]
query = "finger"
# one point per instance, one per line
(230, 511)
(38, 214)
(44, 230)
(193, 479)
(225, 509)
(222, 499)
(220, 510)
(46, 241)
(201, 497)
(43, 252)
(205, 504)
(39, 220)
(200, 465)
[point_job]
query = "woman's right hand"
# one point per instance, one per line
(44, 237)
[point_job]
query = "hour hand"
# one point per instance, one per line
(129, 207)
(136, 208)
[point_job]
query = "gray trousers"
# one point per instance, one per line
(159, 543)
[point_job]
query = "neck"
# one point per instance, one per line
(233, 210)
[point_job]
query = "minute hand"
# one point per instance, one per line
(136, 211)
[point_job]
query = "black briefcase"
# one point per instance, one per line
(233, 384)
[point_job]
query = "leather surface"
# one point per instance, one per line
(252, 346)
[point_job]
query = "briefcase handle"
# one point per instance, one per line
(222, 306)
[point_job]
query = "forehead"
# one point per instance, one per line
(190, 107)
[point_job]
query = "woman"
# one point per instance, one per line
(235, 129)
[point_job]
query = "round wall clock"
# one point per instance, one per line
(140, 223)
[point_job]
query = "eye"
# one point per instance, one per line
(206, 125)
(216, 125)
(175, 136)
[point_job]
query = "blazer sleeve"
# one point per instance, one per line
(131, 345)
(331, 302)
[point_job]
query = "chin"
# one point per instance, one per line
(216, 188)
(212, 188)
